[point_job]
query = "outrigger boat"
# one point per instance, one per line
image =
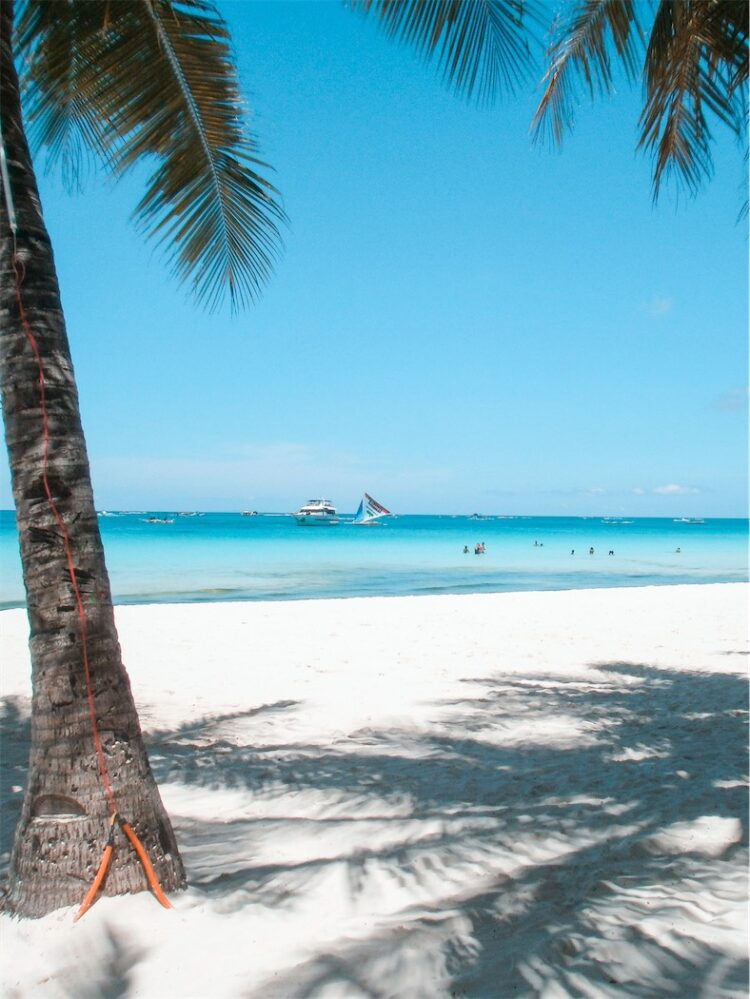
(370, 511)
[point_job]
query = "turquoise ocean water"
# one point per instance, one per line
(225, 556)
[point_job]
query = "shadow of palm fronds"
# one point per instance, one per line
(523, 856)
(584, 834)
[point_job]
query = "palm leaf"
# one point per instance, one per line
(482, 46)
(581, 48)
(155, 80)
(54, 41)
(697, 62)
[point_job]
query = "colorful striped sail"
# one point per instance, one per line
(370, 510)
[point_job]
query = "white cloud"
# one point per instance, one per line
(674, 490)
(732, 400)
(638, 490)
(659, 305)
(596, 491)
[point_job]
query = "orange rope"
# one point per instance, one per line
(101, 874)
(106, 860)
(143, 857)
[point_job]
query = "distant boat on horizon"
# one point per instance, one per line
(317, 513)
(370, 511)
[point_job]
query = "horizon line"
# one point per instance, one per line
(475, 514)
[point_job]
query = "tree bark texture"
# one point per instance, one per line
(65, 815)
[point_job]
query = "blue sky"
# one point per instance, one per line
(460, 321)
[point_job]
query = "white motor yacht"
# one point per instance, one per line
(317, 513)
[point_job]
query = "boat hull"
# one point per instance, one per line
(316, 520)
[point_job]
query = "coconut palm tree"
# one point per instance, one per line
(694, 66)
(133, 81)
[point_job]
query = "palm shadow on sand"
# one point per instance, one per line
(524, 864)
(521, 867)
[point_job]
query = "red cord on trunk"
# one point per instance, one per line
(67, 544)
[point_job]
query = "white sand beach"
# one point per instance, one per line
(520, 794)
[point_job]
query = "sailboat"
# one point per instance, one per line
(370, 511)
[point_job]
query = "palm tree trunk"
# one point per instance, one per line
(65, 815)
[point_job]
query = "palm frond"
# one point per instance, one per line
(482, 46)
(581, 47)
(54, 44)
(155, 79)
(697, 62)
